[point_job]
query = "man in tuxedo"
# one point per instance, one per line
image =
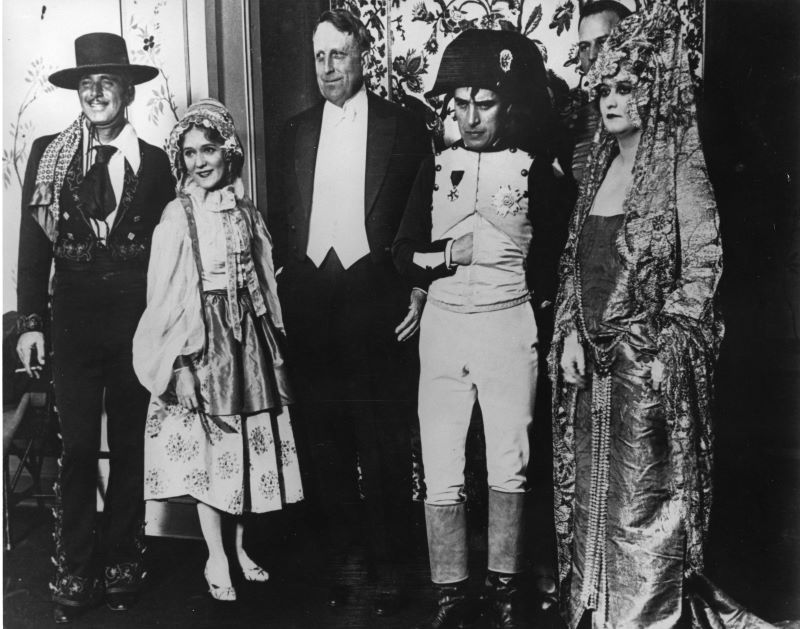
(92, 196)
(348, 166)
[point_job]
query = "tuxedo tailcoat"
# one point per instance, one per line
(356, 383)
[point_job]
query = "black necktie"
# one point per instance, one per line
(96, 192)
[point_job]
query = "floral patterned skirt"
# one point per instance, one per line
(242, 461)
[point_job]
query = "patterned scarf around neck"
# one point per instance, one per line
(44, 202)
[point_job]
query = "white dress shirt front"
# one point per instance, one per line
(337, 205)
(127, 145)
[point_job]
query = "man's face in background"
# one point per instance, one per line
(593, 31)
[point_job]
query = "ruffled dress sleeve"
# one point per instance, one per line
(172, 323)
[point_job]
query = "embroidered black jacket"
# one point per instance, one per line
(77, 248)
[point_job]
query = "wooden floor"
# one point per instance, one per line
(761, 573)
(753, 552)
(175, 594)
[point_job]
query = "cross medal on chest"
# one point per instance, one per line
(455, 178)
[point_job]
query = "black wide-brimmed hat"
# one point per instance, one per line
(101, 53)
(505, 62)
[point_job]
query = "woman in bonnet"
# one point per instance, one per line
(208, 348)
(637, 337)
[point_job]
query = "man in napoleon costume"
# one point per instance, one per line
(480, 234)
(92, 196)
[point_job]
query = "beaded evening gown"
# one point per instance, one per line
(628, 552)
(629, 540)
(632, 467)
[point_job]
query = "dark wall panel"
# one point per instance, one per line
(751, 136)
(287, 65)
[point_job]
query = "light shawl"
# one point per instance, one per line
(672, 256)
(44, 203)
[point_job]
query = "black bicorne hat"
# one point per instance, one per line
(99, 53)
(505, 62)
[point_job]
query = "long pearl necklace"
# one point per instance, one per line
(594, 594)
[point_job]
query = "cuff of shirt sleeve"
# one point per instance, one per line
(176, 372)
(448, 254)
(429, 260)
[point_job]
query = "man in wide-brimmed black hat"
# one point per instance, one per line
(92, 196)
(480, 235)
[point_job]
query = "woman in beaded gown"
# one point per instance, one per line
(637, 336)
(208, 348)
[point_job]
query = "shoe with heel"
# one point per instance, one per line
(252, 571)
(225, 594)
(255, 574)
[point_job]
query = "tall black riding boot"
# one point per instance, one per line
(508, 610)
(506, 528)
(447, 548)
(454, 610)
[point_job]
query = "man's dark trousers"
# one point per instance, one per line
(95, 313)
(356, 396)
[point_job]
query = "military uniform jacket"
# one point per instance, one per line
(517, 212)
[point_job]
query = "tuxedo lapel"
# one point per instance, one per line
(381, 128)
(306, 158)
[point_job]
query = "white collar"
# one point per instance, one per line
(354, 108)
(127, 143)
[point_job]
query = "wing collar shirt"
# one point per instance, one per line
(127, 145)
(337, 206)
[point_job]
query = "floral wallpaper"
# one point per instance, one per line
(410, 35)
(161, 100)
(20, 129)
(153, 30)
